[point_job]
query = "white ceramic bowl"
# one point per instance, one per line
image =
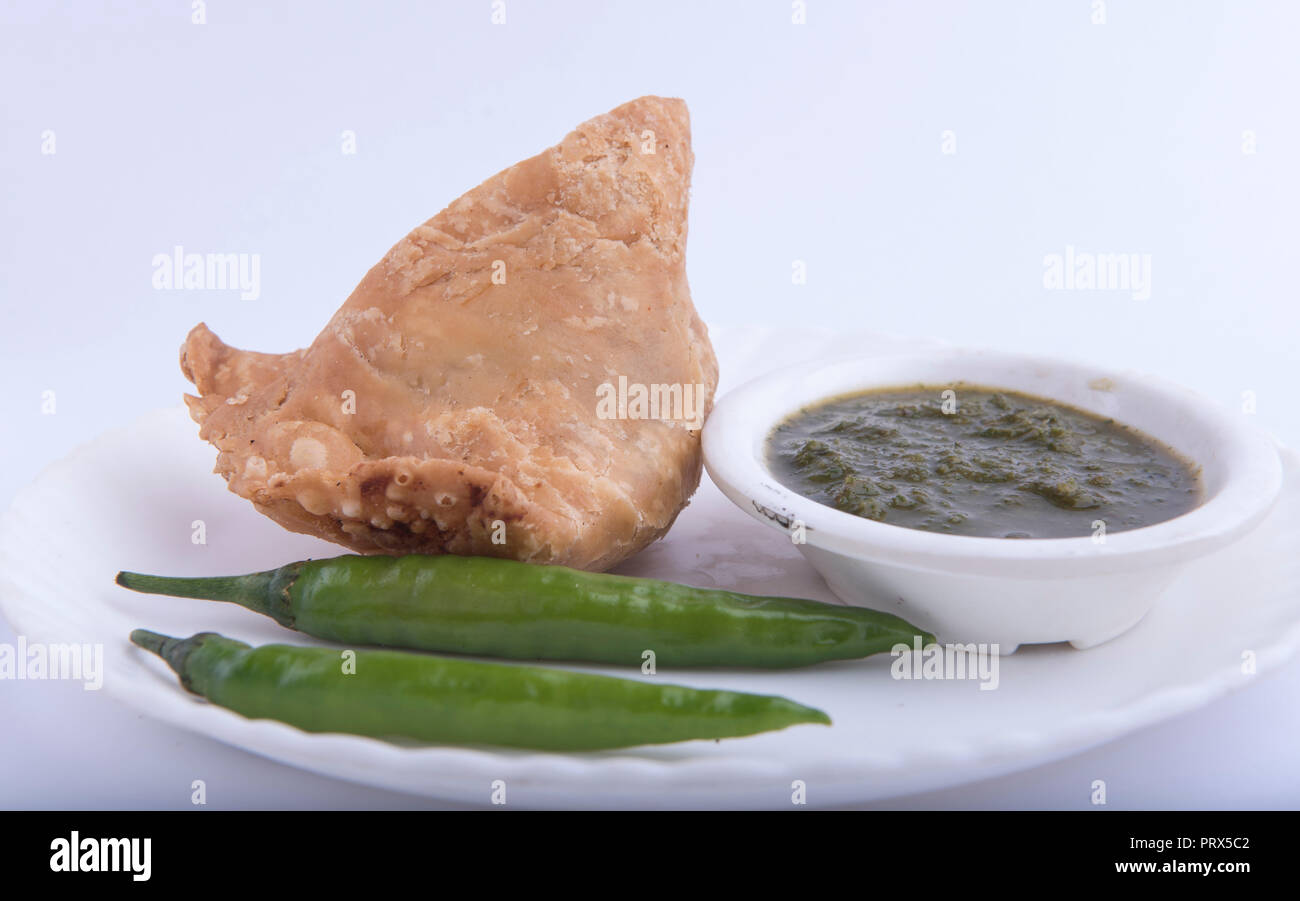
(997, 590)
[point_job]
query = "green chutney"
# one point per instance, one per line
(969, 460)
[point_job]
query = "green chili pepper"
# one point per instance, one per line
(503, 608)
(405, 696)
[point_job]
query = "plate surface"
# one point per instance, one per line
(135, 497)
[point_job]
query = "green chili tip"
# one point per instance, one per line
(820, 717)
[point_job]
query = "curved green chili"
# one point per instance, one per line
(417, 697)
(503, 608)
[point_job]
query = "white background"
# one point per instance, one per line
(819, 142)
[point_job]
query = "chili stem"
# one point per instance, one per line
(258, 592)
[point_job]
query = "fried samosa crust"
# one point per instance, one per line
(451, 404)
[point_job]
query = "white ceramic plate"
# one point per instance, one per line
(130, 499)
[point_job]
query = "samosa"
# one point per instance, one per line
(462, 400)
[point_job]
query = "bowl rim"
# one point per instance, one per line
(736, 434)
